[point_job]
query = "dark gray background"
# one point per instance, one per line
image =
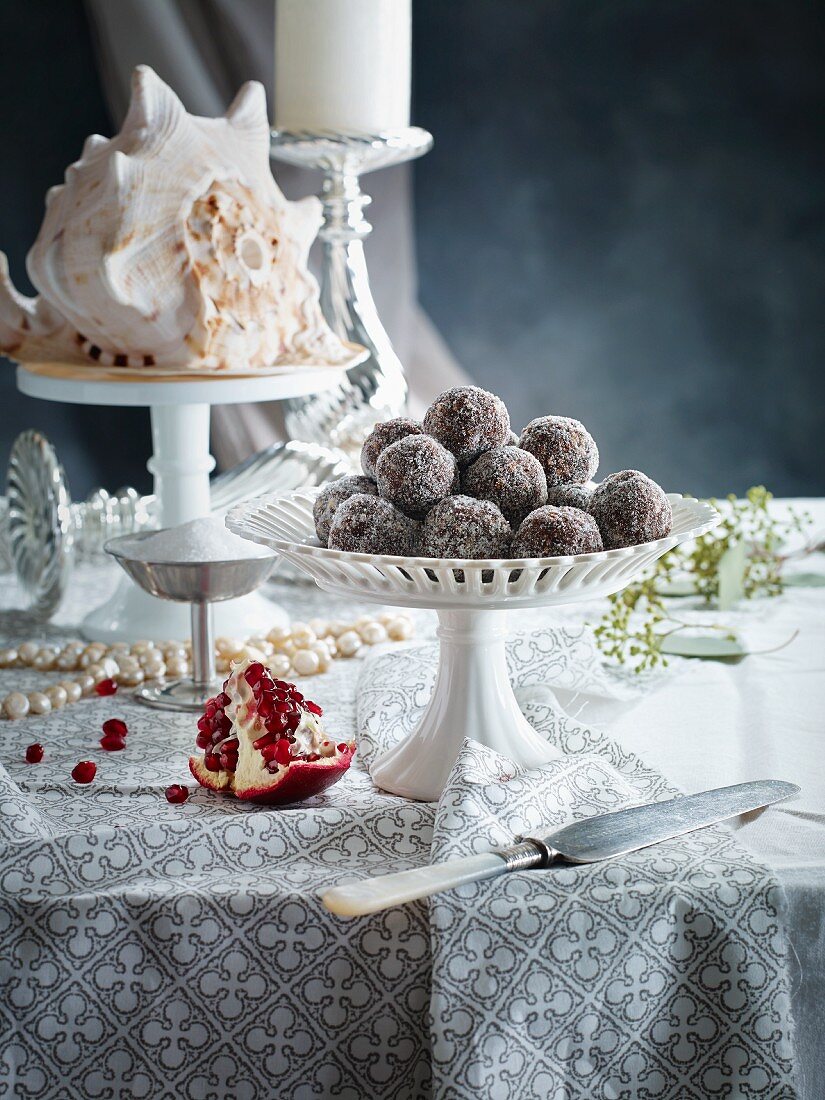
(622, 221)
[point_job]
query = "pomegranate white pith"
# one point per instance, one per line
(263, 741)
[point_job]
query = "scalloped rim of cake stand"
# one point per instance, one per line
(384, 580)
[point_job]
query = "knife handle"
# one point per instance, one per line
(354, 899)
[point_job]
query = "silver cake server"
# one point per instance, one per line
(596, 838)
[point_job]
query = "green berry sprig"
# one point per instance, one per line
(638, 619)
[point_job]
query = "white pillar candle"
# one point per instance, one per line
(342, 64)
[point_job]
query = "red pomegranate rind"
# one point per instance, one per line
(300, 780)
(262, 741)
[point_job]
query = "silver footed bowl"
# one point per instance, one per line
(188, 581)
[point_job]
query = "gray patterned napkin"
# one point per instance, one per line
(661, 975)
(155, 951)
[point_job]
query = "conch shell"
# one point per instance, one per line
(171, 248)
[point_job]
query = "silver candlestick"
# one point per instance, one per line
(376, 388)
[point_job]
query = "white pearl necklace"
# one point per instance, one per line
(302, 649)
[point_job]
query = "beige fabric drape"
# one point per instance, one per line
(205, 49)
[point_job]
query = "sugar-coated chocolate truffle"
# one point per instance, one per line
(564, 447)
(550, 531)
(570, 496)
(370, 525)
(415, 472)
(511, 478)
(381, 436)
(630, 508)
(333, 495)
(463, 527)
(467, 421)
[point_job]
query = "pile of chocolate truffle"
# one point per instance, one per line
(461, 484)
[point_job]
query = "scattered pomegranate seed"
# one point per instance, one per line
(106, 687)
(111, 743)
(177, 793)
(34, 754)
(313, 708)
(84, 772)
(115, 727)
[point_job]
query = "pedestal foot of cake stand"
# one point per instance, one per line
(131, 615)
(472, 698)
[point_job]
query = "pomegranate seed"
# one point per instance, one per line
(313, 708)
(210, 710)
(293, 720)
(282, 753)
(267, 739)
(105, 687)
(269, 751)
(111, 743)
(212, 763)
(283, 685)
(254, 673)
(265, 706)
(115, 727)
(84, 771)
(223, 700)
(313, 756)
(276, 723)
(296, 696)
(177, 793)
(342, 747)
(34, 754)
(203, 739)
(204, 724)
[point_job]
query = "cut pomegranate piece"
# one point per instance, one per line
(263, 741)
(84, 771)
(34, 754)
(106, 687)
(115, 727)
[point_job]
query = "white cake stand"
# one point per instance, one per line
(472, 696)
(180, 464)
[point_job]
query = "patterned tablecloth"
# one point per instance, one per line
(153, 950)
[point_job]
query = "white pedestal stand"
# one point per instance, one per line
(180, 464)
(472, 697)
